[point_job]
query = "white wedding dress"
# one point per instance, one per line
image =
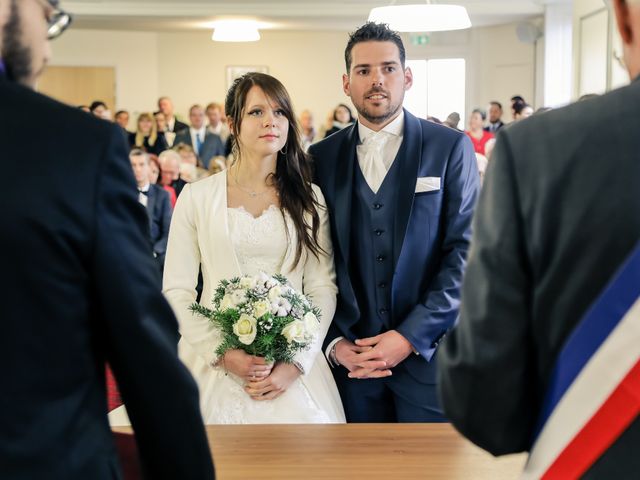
(225, 243)
(260, 245)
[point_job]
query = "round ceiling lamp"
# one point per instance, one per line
(235, 31)
(422, 18)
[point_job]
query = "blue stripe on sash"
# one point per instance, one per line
(587, 337)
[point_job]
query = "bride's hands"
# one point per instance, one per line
(246, 366)
(282, 376)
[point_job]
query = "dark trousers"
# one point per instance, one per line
(398, 398)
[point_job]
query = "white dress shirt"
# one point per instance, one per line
(142, 198)
(201, 132)
(393, 132)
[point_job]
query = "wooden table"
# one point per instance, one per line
(353, 451)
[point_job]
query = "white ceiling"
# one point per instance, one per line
(175, 15)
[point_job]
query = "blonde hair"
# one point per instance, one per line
(153, 135)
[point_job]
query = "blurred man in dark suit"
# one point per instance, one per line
(157, 202)
(79, 288)
(557, 221)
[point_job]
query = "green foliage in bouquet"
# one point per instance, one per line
(262, 315)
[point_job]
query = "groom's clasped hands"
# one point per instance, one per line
(373, 357)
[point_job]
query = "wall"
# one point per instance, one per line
(134, 55)
(191, 68)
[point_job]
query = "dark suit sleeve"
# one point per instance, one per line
(437, 312)
(139, 330)
(164, 209)
(485, 363)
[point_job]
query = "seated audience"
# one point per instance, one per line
(307, 130)
(165, 105)
(205, 144)
(216, 123)
(170, 171)
(146, 136)
(495, 117)
(342, 117)
(478, 135)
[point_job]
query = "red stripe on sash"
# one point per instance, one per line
(601, 431)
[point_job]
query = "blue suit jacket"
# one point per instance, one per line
(431, 233)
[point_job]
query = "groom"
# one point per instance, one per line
(400, 192)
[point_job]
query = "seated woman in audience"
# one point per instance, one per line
(342, 117)
(521, 111)
(191, 168)
(478, 135)
(262, 214)
(146, 135)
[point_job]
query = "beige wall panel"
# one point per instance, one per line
(79, 85)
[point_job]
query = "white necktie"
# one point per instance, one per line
(373, 167)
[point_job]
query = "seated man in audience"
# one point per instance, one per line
(122, 119)
(165, 105)
(156, 200)
(546, 355)
(206, 144)
(170, 171)
(216, 125)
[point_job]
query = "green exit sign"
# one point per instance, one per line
(420, 39)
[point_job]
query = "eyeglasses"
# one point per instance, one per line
(57, 19)
(58, 23)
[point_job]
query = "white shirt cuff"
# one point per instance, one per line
(328, 350)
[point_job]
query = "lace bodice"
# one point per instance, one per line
(260, 243)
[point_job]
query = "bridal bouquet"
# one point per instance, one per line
(262, 315)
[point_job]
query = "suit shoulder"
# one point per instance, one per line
(594, 118)
(442, 132)
(63, 120)
(331, 142)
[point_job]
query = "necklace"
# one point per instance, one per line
(251, 193)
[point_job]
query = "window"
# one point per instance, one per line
(438, 88)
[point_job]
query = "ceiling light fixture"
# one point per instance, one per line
(428, 17)
(235, 31)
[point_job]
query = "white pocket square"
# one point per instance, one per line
(427, 184)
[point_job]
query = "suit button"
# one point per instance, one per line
(380, 258)
(378, 231)
(382, 285)
(383, 311)
(377, 206)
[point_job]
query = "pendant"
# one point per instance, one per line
(253, 194)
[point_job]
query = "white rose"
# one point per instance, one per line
(246, 328)
(227, 302)
(247, 283)
(294, 332)
(261, 307)
(275, 293)
(311, 323)
(280, 307)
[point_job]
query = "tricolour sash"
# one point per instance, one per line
(594, 390)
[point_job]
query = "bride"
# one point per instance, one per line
(261, 215)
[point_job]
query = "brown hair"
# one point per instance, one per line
(293, 174)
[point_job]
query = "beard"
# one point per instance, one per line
(16, 56)
(377, 117)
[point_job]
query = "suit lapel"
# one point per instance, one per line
(409, 156)
(344, 190)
